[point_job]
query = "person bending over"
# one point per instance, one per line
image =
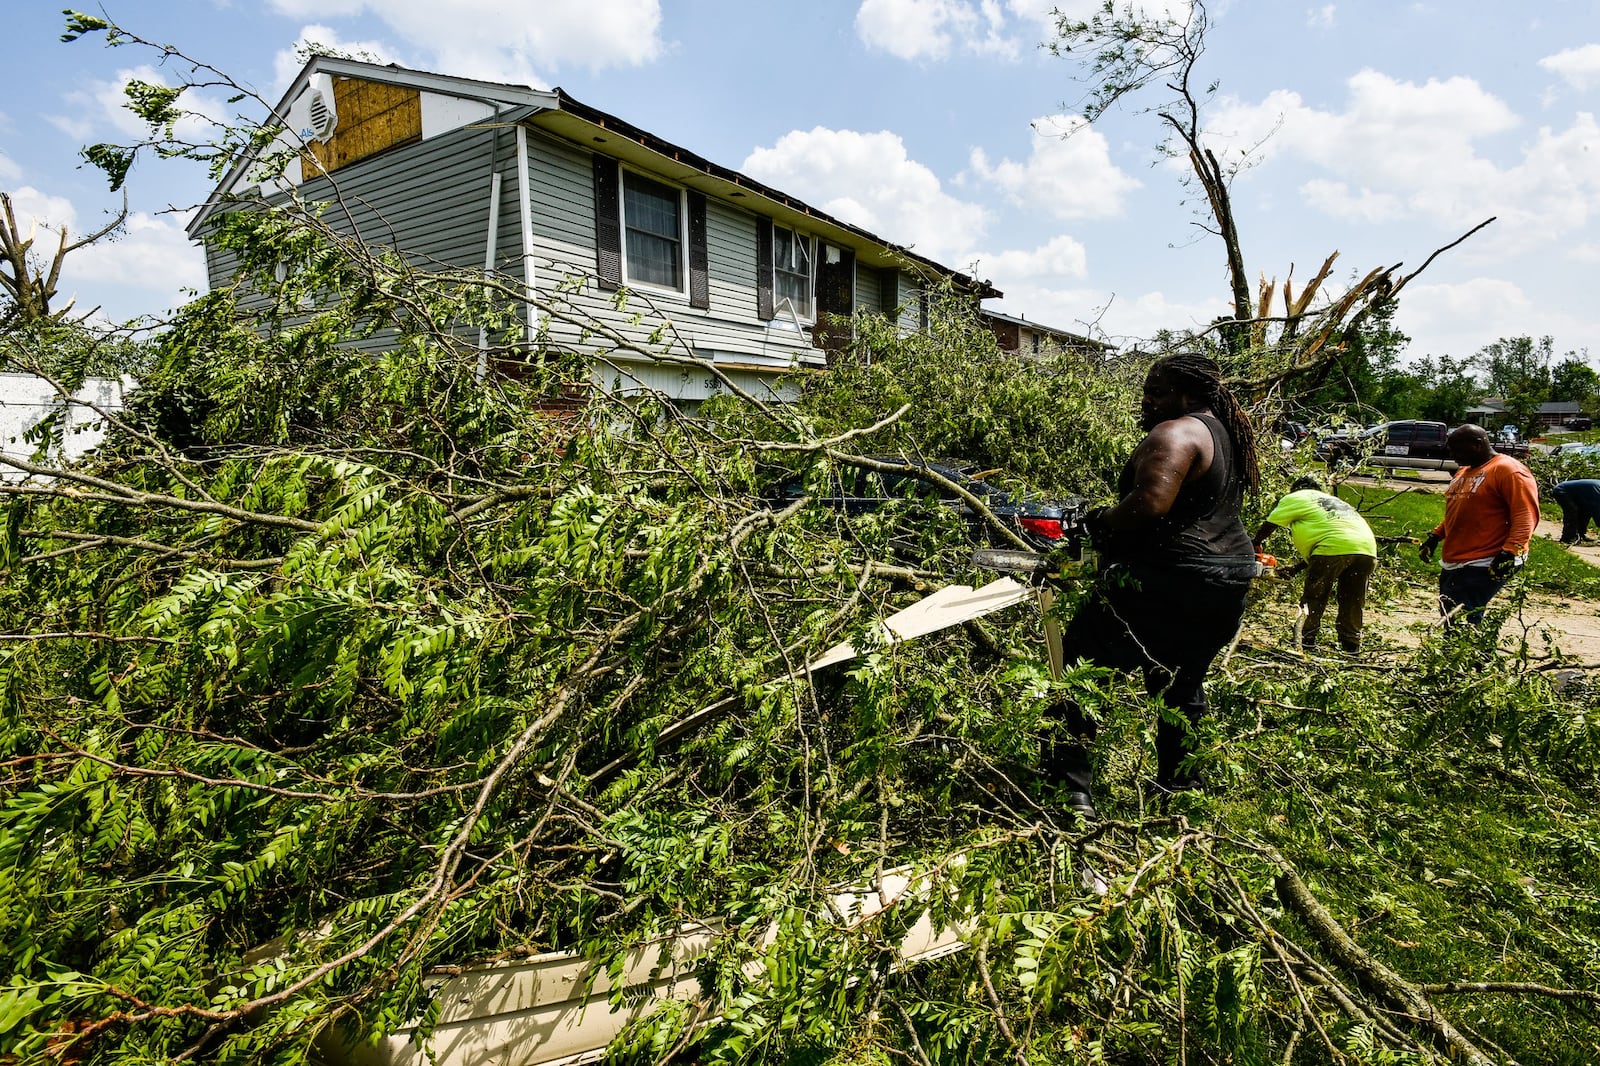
(1340, 552)
(1579, 500)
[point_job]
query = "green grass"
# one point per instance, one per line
(1399, 511)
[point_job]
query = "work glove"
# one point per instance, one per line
(1503, 565)
(1430, 544)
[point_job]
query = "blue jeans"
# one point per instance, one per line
(1580, 502)
(1469, 587)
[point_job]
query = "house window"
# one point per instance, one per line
(791, 271)
(652, 218)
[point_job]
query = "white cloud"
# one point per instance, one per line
(289, 61)
(924, 29)
(1321, 18)
(1060, 257)
(35, 208)
(10, 173)
(318, 8)
(1389, 128)
(867, 179)
(1068, 173)
(1578, 67)
(1336, 198)
(1041, 12)
(1141, 317)
(486, 39)
(1458, 319)
(1433, 151)
(102, 105)
(1112, 317)
(932, 29)
(151, 253)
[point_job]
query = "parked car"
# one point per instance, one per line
(1407, 444)
(1579, 422)
(1043, 524)
(1575, 448)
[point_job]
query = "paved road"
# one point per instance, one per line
(1421, 480)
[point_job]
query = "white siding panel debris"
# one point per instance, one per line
(26, 400)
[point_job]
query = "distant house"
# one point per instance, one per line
(458, 173)
(1558, 413)
(1028, 338)
(1491, 413)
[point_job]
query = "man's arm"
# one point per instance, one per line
(1522, 504)
(1267, 529)
(1161, 465)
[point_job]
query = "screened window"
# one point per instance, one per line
(652, 217)
(791, 270)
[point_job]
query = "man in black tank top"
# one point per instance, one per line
(1176, 562)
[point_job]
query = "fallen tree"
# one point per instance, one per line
(1128, 51)
(398, 665)
(326, 642)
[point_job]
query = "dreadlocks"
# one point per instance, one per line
(1199, 375)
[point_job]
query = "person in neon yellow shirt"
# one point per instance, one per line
(1339, 551)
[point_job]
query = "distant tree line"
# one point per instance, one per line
(1370, 380)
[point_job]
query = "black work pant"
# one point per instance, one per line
(1168, 623)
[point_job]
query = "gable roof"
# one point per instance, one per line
(558, 113)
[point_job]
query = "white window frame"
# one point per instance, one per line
(809, 316)
(683, 233)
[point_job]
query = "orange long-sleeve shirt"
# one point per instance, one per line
(1489, 509)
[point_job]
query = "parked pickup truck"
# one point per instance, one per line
(1408, 445)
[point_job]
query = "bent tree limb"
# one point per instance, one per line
(1403, 995)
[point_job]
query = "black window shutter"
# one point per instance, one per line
(607, 223)
(836, 281)
(766, 310)
(922, 309)
(699, 266)
(836, 295)
(889, 290)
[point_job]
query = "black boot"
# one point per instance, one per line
(1080, 804)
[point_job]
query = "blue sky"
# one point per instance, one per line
(1380, 129)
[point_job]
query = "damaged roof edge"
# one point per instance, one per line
(683, 156)
(558, 100)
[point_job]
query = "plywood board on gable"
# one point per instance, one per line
(372, 117)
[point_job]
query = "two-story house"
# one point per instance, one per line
(468, 174)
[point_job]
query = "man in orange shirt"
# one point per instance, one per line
(1490, 511)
